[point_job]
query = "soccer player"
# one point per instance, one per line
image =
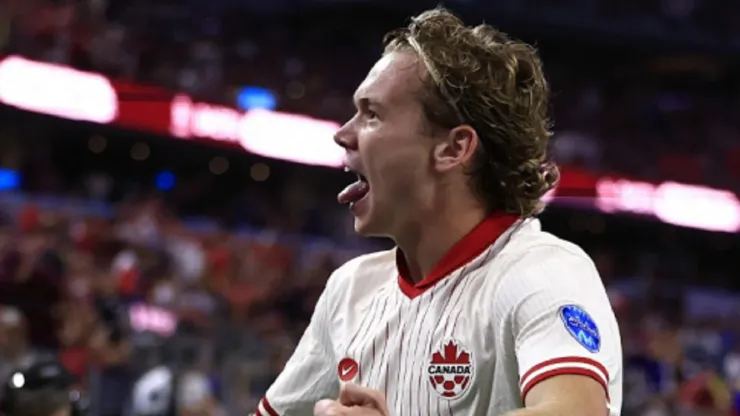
(476, 311)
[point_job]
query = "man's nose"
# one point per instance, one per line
(346, 137)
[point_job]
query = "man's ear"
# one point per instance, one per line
(456, 148)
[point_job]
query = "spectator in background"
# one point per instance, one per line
(731, 370)
(43, 388)
(195, 396)
(15, 349)
(78, 321)
(110, 349)
(571, 147)
(31, 280)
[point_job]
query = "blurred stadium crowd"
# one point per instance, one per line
(215, 275)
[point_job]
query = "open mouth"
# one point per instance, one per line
(355, 191)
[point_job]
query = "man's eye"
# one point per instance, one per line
(371, 114)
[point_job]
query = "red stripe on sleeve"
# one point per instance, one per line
(562, 371)
(268, 407)
(567, 360)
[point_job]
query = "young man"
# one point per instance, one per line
(477, 311)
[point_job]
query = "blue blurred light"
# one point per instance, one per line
(9, 179)
(165, 181)
(250, 98)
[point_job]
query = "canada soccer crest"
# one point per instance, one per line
(451, 369)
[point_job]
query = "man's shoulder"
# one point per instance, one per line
(537, 260)
(539, 247)
(368, 270)
(537, 263)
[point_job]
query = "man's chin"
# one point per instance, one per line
(362, 227)
(365, 221)
(366, 226)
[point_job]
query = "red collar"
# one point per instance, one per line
(469, 247)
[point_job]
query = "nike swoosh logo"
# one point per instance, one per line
(347, 370)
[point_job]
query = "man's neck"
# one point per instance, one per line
(424, 244)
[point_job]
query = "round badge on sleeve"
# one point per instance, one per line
(581, 326)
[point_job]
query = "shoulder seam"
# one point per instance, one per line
(575, 253)
(580, 255)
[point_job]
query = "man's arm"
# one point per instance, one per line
(566, 339)
(555, 397)
(310, 373)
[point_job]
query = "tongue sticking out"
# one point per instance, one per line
(353, 193)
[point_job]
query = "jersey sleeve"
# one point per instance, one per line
(561, 319)
(309, 375)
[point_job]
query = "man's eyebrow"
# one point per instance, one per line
(366, 102)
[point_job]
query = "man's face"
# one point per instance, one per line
(386, 144)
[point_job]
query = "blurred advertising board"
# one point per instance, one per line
(76, 95)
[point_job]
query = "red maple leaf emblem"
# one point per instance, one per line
(449, 355)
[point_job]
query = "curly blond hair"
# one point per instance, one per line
(481, 77)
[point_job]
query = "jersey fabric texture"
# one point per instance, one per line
(508, 307)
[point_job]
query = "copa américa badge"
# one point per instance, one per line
(581, 326)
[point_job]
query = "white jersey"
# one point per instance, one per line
(508, 307)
